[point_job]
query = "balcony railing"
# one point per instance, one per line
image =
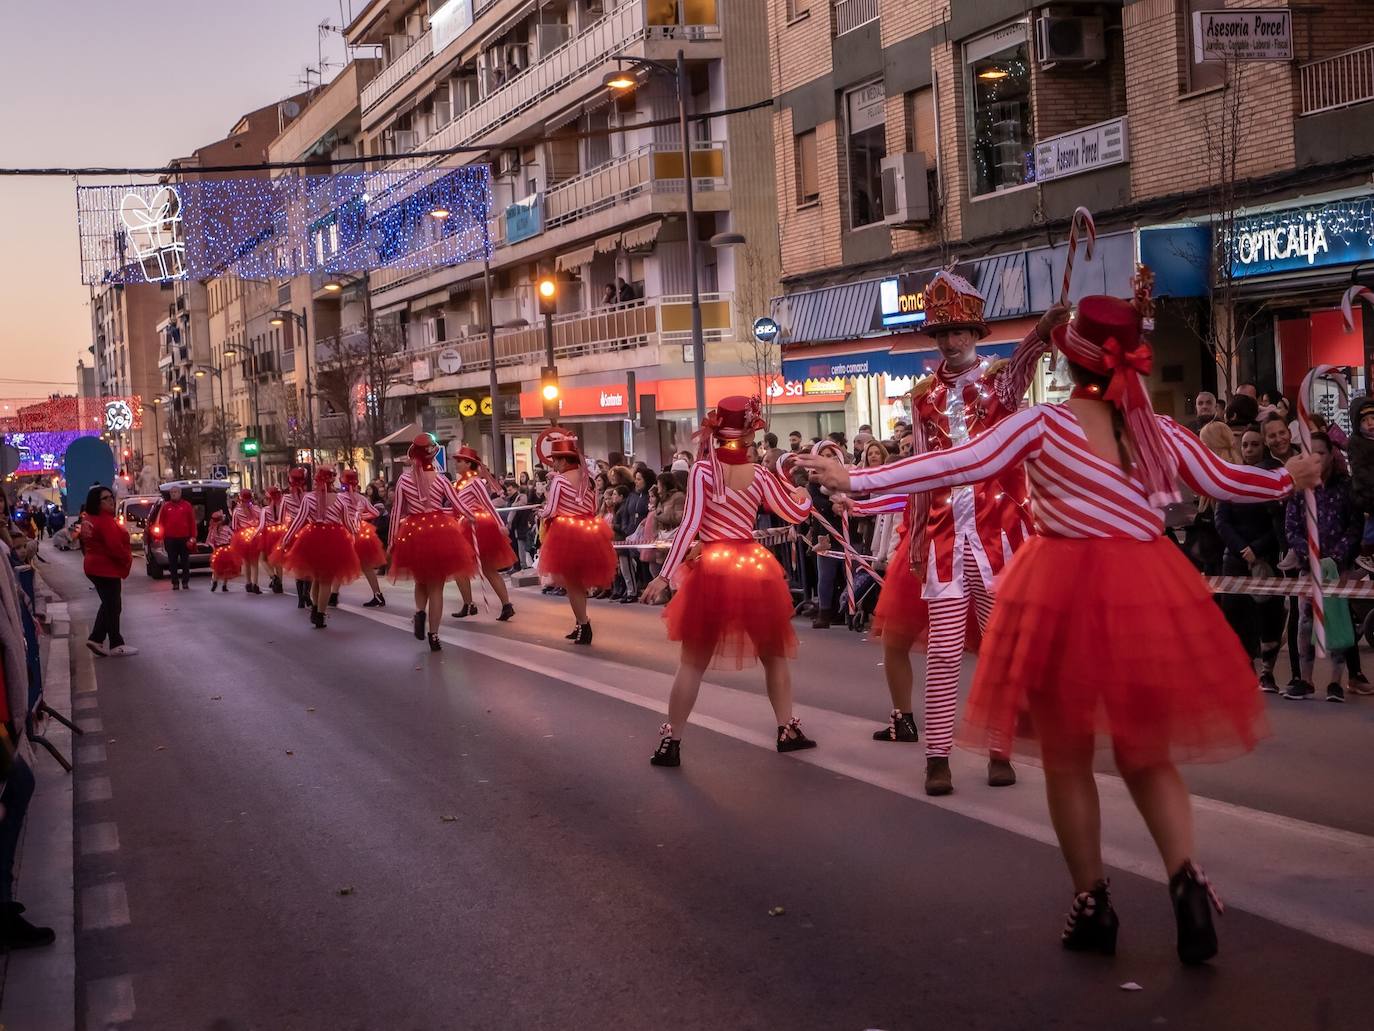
(432, 257)
(656, 167)
(419, 52)
(621, 327)
(1337, 82)
(850, 14)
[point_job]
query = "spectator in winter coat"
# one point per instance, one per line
(108, 559)
(177, 518)
(1360, 457)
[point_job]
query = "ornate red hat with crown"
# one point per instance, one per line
(324, 476)
(245, 496)
(297, 474)
(952, 302)
(274, 492)
(422, 449)
(735, 417)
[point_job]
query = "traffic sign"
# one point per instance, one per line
(543, 444)
(441, 458)
(219, 472)
(249, 446)
(766, 329)
(449, 361)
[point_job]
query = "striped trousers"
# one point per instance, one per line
(945, 654)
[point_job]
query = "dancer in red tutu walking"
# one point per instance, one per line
(428, 543)
(1101, 626)
(371, 554)
(319, 544)
(271, 530)
(246, 524)
(576, 553)
(733, 604)
(225, 564)
(290, 508)
(493, 543)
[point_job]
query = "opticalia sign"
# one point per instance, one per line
(1339, 233)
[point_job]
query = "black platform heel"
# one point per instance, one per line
(791, 738)
(434, 642)
(419, 625)
(1194, 898)
(669, 752)
(1092, 923)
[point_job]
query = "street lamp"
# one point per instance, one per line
(619, 81)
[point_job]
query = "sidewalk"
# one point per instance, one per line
(38, 986)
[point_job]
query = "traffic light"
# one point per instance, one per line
(547, 289)
(549, 392)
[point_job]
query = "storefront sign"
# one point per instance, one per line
(867, 107)
(1243, 34)
(674, 395)
(1339, 233)
(449, 22)
(766, 329)
(524, 219)
(467, 408)
(839, 368)
(612, 399)
(902, 301)
(1084, 150)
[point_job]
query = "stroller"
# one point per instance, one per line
(859, 616)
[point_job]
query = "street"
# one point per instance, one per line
(279, 827)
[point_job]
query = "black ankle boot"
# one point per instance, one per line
(377, 601)
(465, 610)
(584, 634)
(276, 585)
(434, 642)
(507, 611)
(1194, 899)
(572, 635)
(791, 738)
(301, 601)
(317, 618)
(18, 933)
(1092, 923)
(669, 751)
(334, 600)
(419, 625)
(901, 726)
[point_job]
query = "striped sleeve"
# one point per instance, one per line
(303, 512)
(398, 506)
(1207, 474)
(779, 499)
(880, 504)
(558, 486)
(364, 509)
(1013, 380)
(1011, 442)
(687, 530)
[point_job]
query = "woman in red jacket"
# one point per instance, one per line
(107, 561)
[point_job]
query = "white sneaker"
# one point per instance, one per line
(124, 649)
(97, 647)
(1289, 562)
(1366, 562)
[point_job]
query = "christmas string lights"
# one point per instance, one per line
(1277, 241)
(263, 228)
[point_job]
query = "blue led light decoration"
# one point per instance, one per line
(264, 228)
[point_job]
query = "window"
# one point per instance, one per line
(998, 83)
(798, 9)
(1197, 75)
(866, 111)
(920, 124)
(808, 176)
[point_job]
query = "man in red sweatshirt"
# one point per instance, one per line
(178, 521)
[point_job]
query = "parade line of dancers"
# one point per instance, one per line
(998, 502)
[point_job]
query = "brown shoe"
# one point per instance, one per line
(939, 781)
(1000, 773)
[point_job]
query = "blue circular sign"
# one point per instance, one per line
(766, 329)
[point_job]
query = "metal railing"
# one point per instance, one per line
(433, 257)
(419, 52)
(1338, 81)
(850, 14)
(655, 166)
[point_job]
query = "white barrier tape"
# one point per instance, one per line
(1280, 586)
(779, 535)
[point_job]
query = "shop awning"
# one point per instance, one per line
(576, 259)
(404, 435)
(835, 313)
(607, 244)
(434, 300)
(643, 236)
(826, 365)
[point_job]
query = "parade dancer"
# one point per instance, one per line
(428, 543)
(1101, 624)
(246, 525)
(290, 507)
(969, 533)
(733, 604)
(225, 564)
(371, 554)
(319, 544)
(493, 542)
(272, 529)
(576, 553)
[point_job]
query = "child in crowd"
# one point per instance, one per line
(1360, 455)
(225, 564)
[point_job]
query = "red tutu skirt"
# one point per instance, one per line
(271, 542)
(734, 605)
(577, 552)
(493, 543)
(246, 544)
(1116, 640)
(432, 548)
(323, 552)
(371, 554)
(225, 564)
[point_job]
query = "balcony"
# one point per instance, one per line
(1342, 80)
(851, 14)
(656, 168)
(418, 53)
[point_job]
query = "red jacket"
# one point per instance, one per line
(177, 519)
(106, 547)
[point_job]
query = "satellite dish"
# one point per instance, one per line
(291, 109)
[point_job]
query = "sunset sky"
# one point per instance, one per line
(134, 83)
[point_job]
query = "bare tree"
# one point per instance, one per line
(385, 342)
(341, 370)
(185, 427)
(763, 359)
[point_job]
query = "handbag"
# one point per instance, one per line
(1340, 629)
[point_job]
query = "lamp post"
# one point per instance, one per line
(252, 352)
(279, 318)
(498, 447)
(157, 437)
(620, 82)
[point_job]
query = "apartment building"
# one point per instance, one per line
(124, 336)
(917, 134)
(587, 182)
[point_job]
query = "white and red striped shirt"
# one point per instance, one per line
(1075, 493)
(290, 505)
(334, 510)
(246, 516)
(361, 507)
(733, 517)
(219, 535)
(411, 501)
(273, 513)
(565, 499)
(473, 498)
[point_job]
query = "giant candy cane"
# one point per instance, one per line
(1306, 427)
(1082, 223)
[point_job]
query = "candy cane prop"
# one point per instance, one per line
(1082, 222)
(1306, 427)
(851, 556)
(1348, 304)
(822, 447)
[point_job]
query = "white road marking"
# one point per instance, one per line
(104, 906)
(89, 752)
(109, 1002)
(98, 838)
(94, 789)
(1276, 867)
(92, 724)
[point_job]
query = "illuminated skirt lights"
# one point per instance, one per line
(577, 553)
(323, 553)
(225, 564)
(734, 606)
(271, 542)
(371, 554)
(431, 548)
(247, 544)
(1110, 642)
(493, 542)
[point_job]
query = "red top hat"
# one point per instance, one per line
(423, 449)
(245, 496)
(467, 454)
(952, 302)
(565, 449)
(735, 417)
(216, 516)
(274, 492)
(1099, 318)
(349, 477)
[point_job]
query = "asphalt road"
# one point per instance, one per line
(284, 828)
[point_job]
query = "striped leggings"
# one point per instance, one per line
(945, 654)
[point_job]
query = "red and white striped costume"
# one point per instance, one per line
(732, 518)
(273, 514)
(473, 497)
(410, 501)
(359, 505)
(564, 499)
(334, 510)
(290, 505)
(219, 535)
(247, 516)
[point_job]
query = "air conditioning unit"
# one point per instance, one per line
(508, 164)
(906, 189)
(1070, 40)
